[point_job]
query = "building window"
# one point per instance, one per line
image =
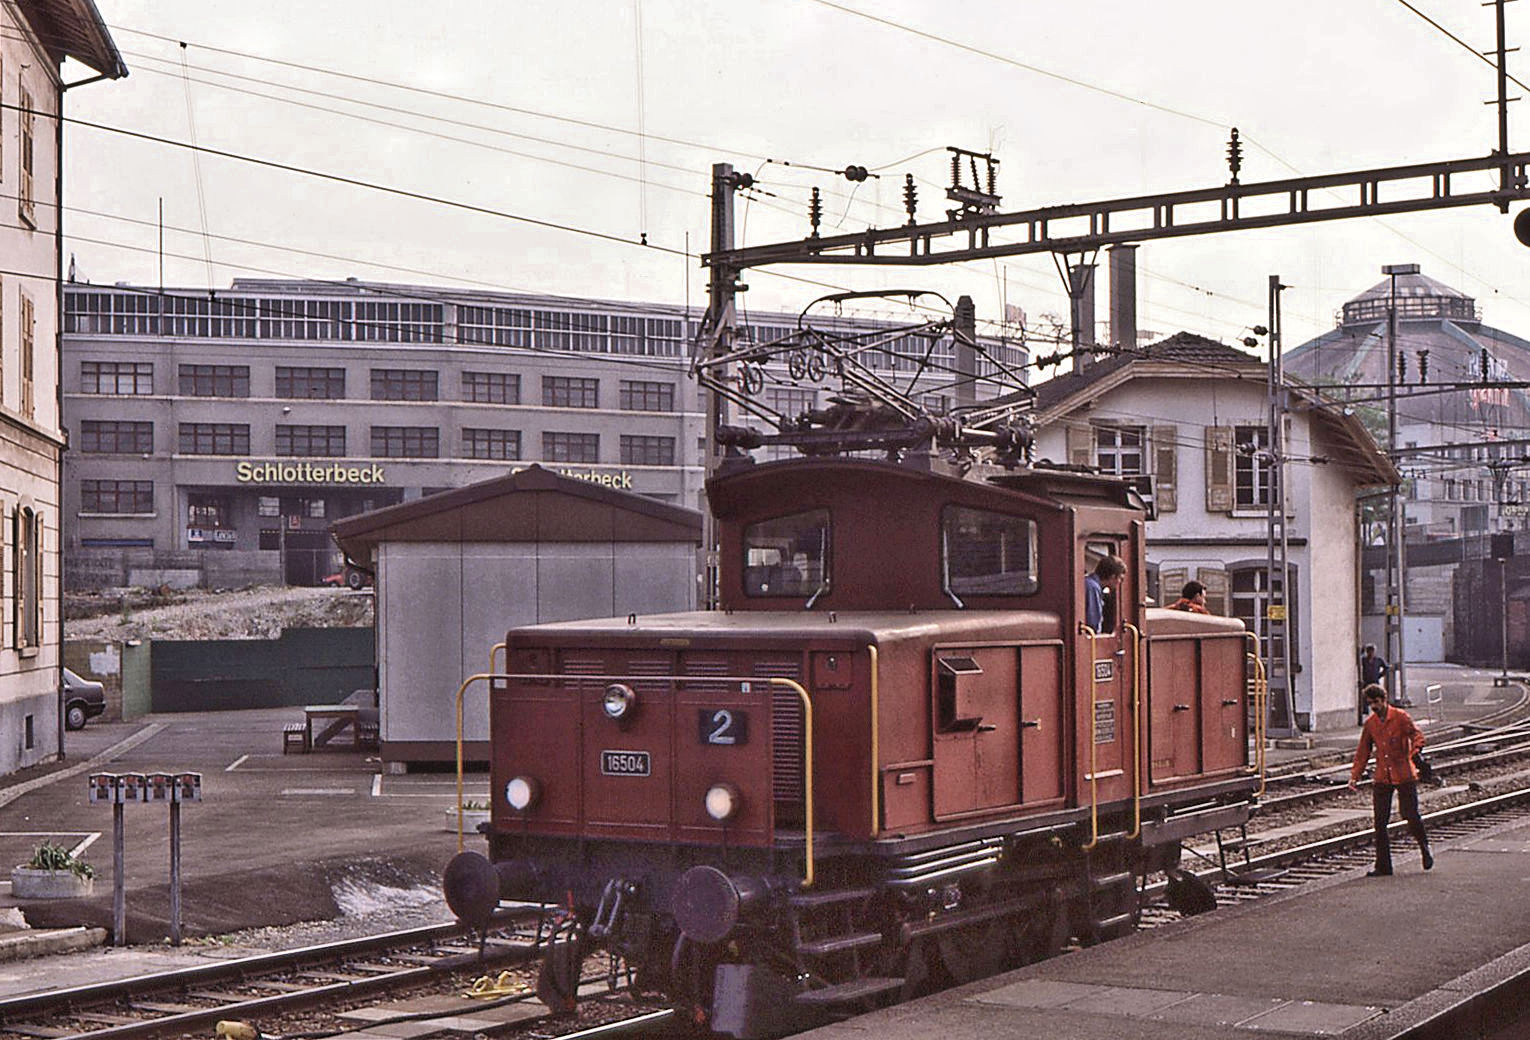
(791, 402)
(491, 388)
(1118, 450)
(314, 507)
(647, 451)
(135, 497)
(637, 395)
(268, 505)
(310, 442)
(215, 380)
(28, 356)
(570, 392)
(491, 444)
(116, 438)
(214, 439)
(208, 511)
(26, 542)
(1251, 598)
(319, 384)
(403, 384)
(571, 447)
(406, 442)
(24, 199)
(378, 322)
(1251, 467)
(117, 377)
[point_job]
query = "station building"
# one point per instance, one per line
(215, 435)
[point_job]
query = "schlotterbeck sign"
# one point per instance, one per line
(307, 473)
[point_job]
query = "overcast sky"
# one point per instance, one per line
(607, 117)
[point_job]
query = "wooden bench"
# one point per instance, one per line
(295, 735)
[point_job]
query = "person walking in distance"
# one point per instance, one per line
(1373, 671)
(1391, 734)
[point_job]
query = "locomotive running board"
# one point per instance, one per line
(1186, 825)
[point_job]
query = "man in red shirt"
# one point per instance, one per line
(1390, 732)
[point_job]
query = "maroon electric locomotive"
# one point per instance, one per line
(896, 756)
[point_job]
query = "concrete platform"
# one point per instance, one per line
(277, 839)
(1362, 958)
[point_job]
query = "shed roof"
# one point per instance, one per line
(530, 505)
(74, 28)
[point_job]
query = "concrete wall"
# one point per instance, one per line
(104, 568)
(1331, 629)
(440, 607)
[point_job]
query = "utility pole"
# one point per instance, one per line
(1397, 574)
(716, 340)
(1277, 615)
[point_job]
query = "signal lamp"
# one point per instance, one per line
(618, 700)
(522, 793)
(723, 802)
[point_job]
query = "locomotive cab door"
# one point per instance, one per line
(1106, 670)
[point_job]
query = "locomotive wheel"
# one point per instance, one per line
(919, 977)
(1040, 935)
(976, 952)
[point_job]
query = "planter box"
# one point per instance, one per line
(27, 883)
(471, 818)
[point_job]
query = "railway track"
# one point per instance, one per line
(194, 999)
(1279, 872)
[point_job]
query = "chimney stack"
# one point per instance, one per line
(1123, 296)
(1081, 293)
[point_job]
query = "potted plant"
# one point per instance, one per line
(474, 813)
(53, 872)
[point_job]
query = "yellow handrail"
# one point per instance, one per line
(876, 770)
(461, 690)
(493, 650)
(807, 734)
(1094, 768)
(1137, 661)
(1261, 691)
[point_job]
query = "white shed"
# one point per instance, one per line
(456, 570)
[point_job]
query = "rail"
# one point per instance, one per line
(807, 733)
(494, 650)
(1137, 671)
(1261, 694)
(1094, 761)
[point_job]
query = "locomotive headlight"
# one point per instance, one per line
(522, 793)
(722, 802)
(618, 701)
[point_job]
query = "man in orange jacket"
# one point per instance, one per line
(1390, 732)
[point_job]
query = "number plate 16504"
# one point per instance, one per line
(624, 763)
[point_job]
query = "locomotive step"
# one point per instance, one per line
(848, 992)
(1107, 881)
(839, 943)
(1117, 925)
(810, 900)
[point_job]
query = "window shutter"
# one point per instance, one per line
(1216, 588)
(1219, 473)
(1080, 444)
(1170, 581)
(1165, 468)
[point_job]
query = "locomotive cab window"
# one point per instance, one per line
(1109, 589)
(788, 555)
(987, 554)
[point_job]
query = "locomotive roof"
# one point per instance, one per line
(1057, 487)
(863, 626)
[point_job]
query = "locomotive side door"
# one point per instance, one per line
(1105, 673)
